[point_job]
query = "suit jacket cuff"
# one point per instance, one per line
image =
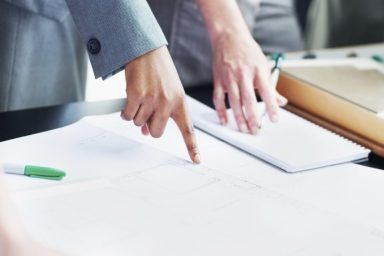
(115, 32)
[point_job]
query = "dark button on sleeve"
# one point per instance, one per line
(93, 46)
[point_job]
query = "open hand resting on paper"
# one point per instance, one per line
(155, 94)
(239, 66)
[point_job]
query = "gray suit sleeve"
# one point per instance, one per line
(115, 32)
(53, 9)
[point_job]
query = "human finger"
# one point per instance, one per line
(281, 100)
(249, 102)
(267, 93)
(184, 123)
(145, 130)
(130, 109)
(219, 102)
(157, 124)
(144, 112)
(235, 102)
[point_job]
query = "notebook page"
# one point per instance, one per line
(293, 144)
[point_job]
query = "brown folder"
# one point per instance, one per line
(343, 99)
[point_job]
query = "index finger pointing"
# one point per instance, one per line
(183, 121)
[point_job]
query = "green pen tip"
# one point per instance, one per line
(277, 55)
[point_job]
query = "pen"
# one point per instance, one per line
(275, 72)
(34, 171)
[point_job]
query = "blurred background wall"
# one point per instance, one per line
(336, 23)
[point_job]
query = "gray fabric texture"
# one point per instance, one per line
(126, 29)
(54, 9)
(43, 58)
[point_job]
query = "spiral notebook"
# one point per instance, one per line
(293, 144)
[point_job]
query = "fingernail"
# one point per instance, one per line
(223, 121)
(284, 102)
(255, 130)
(122, 116)
(197, 159)
(243, 128)
(274, 118)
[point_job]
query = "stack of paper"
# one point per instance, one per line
(293, 144)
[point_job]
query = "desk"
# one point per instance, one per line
(241, 207)
(19, 123)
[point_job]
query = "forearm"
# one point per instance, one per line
(222, 17)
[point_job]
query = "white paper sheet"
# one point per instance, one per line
(124, 195)
(137, 217)
(293, 144)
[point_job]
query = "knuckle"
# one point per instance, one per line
(134, 90)
(192, 148)
(239, 70)
(189, 131)
(234, 96)
(218, 98)
(222, 112)
(228, 66)
(165, 109)
(227, 72)
(150, 97)
(163, 98)
(138, 96)
(271, 106)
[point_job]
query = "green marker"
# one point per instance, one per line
(378, 58)
(34, 171)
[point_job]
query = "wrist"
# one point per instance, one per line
(223, 19)
(229, 34)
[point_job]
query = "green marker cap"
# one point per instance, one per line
(43, 172)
